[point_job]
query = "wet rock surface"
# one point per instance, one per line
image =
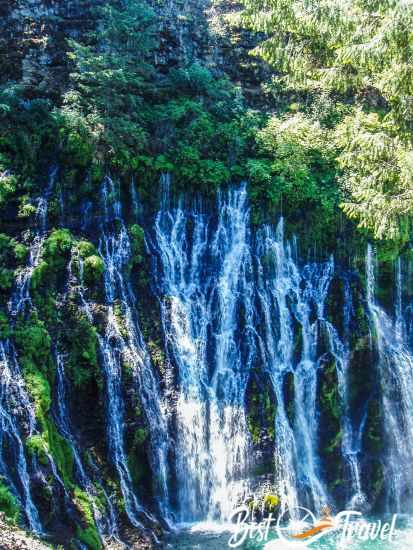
(13, 538)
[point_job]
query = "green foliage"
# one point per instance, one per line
(27, 129)
(49, 441)
(137, 237)
(378, 173)
(8, 504)
(6, 278)
(55, 256)
(93, 265)
(89, 535)
(5, 329)
(295, 169)
(34, 345)
(80, 338)
(271, 502)
(361, 51)
(36, 446)
(12, 254)
(7, 185)
(109, 84)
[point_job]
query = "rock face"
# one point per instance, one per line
(12, 538)
(33, 34)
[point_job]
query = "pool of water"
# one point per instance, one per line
(211, 537)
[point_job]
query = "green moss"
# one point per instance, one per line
(94, 268)
(60, 451)
(55, 256)
(271, 502)
(20, 252)
(261, 412)
(6, 278)
(373, 434)
(136, 468)
(137, 237)
(36, 446)
(93, 265)
(5, 329)
(81, 343)
(12, 253)
(85, 249)
(34, 345)
(88, 535)
(8, 504)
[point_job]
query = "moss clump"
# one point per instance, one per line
(55, 256)
(261, 412)
(271, 502)
(89, 537)
(36, 446)
(50, 442)
(6, 278)
(5, 330)
(137, 237)
(34, 345)
(60, 451)
(94, 268)
(137, 462)
(80, 339)
(9, 504)
(89, 534)
(93, 265)
(12, 253)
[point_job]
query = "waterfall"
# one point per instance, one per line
(203, 280)
(395, 368)
(122, 342)
(21, 299)
(289, 295)
(106, 525)
(16, 409)
(229, 300)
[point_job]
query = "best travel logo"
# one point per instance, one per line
(299, 527)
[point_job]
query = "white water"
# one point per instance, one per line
(105, 523)
(202, 280)
(21, 300)
(230, 300)
(16, 407)
(288, 295)
(216, 286)
(122, 344)
(395, 369)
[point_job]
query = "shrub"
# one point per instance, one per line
(9, 504)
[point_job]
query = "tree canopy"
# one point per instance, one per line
(360, 51)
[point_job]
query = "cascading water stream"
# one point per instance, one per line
(121, 342)
(288, 295)
(201, 271)
(107, 524)
(14, 398)
(21, 299)
(395, 368)
(15, 409)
